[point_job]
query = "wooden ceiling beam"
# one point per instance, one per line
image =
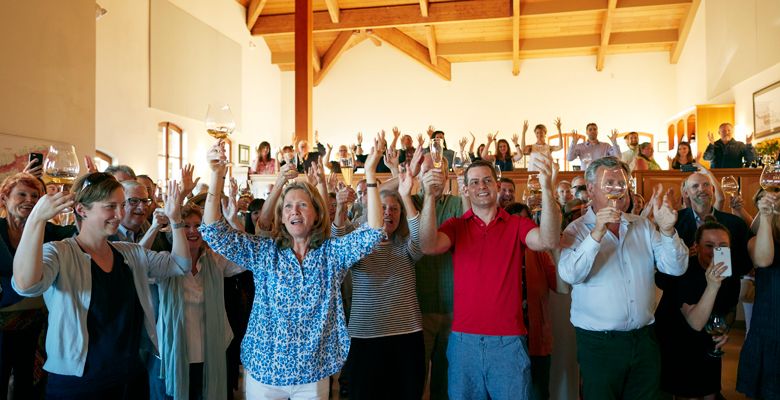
(576, 6)
(515, 37)
(387, 17)
(333, 10)
(253, 12)
(685, 29)
(424, 8)
(315, 59)
(606, 29)
(430, 35)
(414, 49)
(334, 52)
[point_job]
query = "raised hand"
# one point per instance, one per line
(711, 137)
(525, 126)
(516, 138)
(420, 140)
(405, 183)
(767, 203)
(665, 215)
(714, 274)
(606, 215)
(749, 138)
(433, 182)
(375, 155)
(33, 168)
(417, 161)
(391, 158)
(462, 143)
(229, 207)
(329, 146)
(159, 219)
(187, 184)
(430, 131)
(217, 158)
(345, 196)
(543, 163)
(360, 138)
(48, 206)
(313, 174)
(90, 163)
(491, 137)
(557, 124)
(576, 137)
(613, 137)
(286, 172)
(316, 136)
(173, 199)
(396, 132)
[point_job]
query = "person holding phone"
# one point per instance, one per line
(688, 301)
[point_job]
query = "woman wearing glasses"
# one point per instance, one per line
(96, 292)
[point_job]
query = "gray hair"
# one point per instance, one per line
(128, 185)
(607, 162)
(112, 169)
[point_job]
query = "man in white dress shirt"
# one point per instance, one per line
(609, 258)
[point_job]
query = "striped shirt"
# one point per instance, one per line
(384, 297)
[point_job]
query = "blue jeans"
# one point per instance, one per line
(494, 367)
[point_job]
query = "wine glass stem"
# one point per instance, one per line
(613, 203)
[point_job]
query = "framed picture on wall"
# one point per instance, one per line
(243, 154)
(766, 110)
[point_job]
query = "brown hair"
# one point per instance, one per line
(190, 210)
(402, 232)
(501, 156)
(479, 163)
(320, 231)
(94, 187)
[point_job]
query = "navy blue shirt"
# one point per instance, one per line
(114, 324)
(729, 155)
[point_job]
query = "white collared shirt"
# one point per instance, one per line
(613, 285)
(194, 314)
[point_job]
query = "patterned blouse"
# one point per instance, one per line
(296, 333)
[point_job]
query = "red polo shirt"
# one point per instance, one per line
(487, 262)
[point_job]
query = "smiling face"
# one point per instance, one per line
(647, 151)
(481, 187)
(506, 194)
(194, 238)
(503, 147)
(103, 216)
(593, 132)
(709, 240)
(541, 135)
(298, 214)
(391, 214)
(726, 132)
(563, 192)
(343, 151)
(20, 202)
(406, 142)
(700, 191)
(684, 150)
(135, 214)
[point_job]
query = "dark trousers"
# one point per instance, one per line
(135, 389)
(390, 367)
(619, 365)
(17, 356)
(540, 377)
(157, 385)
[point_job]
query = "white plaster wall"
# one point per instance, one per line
(373, 88)
(126, 126)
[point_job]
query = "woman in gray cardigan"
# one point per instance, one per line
(96, 292)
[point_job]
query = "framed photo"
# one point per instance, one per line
(243, 154)
(662, 146)
(766, 110)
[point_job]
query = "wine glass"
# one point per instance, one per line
(437, 151)
(498, 170)
(729, 185)
(219, 122)
(61, 166)
(716, 326)
(534, 188)
(770, 179)
(586, 159)
(347, 167)
(614, 185)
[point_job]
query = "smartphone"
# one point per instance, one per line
(37, 157)
(723, 255)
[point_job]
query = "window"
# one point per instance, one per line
(170, 156)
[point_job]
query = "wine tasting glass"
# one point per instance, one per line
(534, 188)
(437, 151)
(770, 179)
(347, 167)
(729, 185)
(614, 185)
(61, 166)
(219, 122)
(716, 326)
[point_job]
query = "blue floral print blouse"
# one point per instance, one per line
(297, 333)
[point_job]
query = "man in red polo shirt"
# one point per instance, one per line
(487, 349)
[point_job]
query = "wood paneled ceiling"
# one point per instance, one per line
(437, 33)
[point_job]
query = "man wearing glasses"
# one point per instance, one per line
(134, 226)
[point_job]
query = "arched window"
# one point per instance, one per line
(102, 160)
(170, 156)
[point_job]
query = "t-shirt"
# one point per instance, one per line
(487, 261)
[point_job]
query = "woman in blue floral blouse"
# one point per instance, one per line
(297, 336)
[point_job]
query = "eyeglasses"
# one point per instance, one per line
(134, 201)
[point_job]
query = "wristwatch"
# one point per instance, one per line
(177, 225)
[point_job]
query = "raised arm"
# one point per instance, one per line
(28, 265)
(159, 220)
(709, 152)
(486, 150)
(572, 155)
(405, 183)
(547, 235)
(557, 124)
(173, 202)
(216, 159)
(266, 220)
(762, 246)
(471, 146)
(431, 240)
(374, 203)
(518, 150)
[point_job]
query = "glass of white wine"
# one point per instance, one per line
(61, 167)
(729, 185)
(219, 122)
(614, 185)
(347, 167)
(534, 193)
(437, 151)
(770, 179)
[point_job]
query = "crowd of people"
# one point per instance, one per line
(390, 287)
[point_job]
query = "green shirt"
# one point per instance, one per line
(434, 273)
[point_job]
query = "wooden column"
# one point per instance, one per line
(304, 75)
